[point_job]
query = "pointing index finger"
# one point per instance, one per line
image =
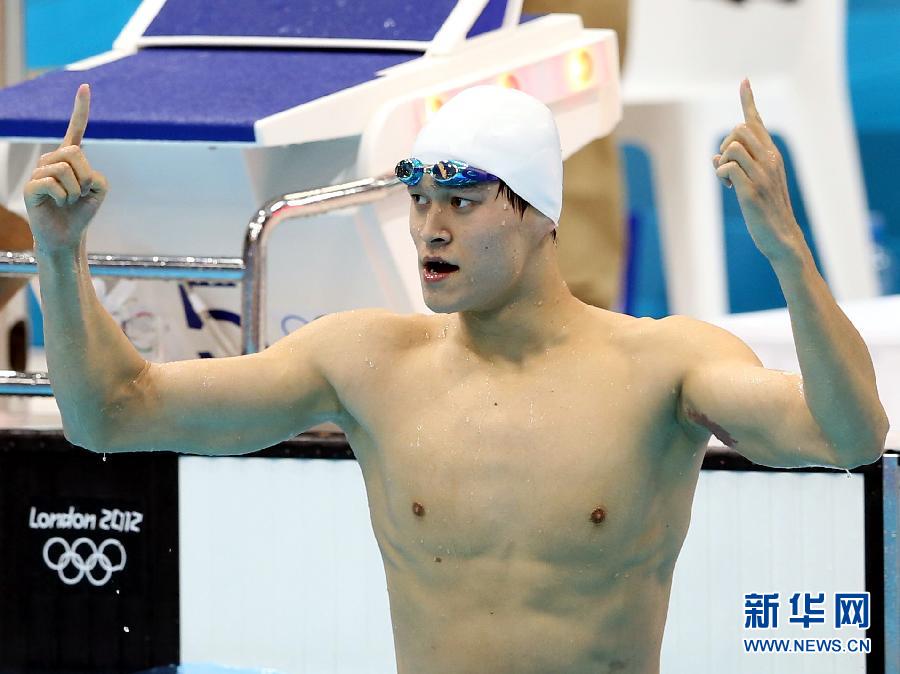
(751, 114)
(78, 121)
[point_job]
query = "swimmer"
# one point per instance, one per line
(530, 461)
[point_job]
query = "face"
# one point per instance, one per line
(473, 248)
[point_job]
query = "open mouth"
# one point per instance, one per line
(437, 269)
(440, 267)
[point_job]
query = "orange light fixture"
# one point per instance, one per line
(509, 81)
(580, 69)
(433, 104)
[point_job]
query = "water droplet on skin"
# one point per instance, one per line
(117, 592)
(125, 628)
(104, 456)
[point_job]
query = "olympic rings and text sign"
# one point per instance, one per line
(84, 557)
(125, 521)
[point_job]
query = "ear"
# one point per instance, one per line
(539, 223)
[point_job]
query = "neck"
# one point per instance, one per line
(534, 318)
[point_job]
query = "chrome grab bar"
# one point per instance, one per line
(249, 269)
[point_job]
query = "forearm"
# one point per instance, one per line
(838, 375)
(91, 361)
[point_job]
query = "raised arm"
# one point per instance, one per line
(110, 398)
(221, 406)
(831, 415)
(766, 415)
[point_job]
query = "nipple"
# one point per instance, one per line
(418, 509)
(598, 515)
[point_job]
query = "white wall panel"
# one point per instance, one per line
(280, 568)
(764, 532)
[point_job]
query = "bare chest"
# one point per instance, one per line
(562, 462)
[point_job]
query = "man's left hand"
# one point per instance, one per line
(750, 162)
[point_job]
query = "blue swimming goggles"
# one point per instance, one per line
(448, 173)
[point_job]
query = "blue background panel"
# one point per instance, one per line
(197, 94)
(752, 283)
(58, 32)
(369, 20)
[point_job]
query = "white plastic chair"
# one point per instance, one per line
(685, 62)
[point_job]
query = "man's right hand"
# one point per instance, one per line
(64, 192)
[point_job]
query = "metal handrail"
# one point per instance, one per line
(135, 266)
(249, 269)
(299, 204)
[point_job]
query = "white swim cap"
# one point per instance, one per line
(502, 131)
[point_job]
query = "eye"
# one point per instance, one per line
(459, 202)
(415, 199)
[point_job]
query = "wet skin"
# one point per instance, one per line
(530, 461)
(529, 513)
(529, 478)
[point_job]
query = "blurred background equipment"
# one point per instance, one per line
(685, 60)
(592, 244)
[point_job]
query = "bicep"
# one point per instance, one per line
(226, 405)
(760, 413)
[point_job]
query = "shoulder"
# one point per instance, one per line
(702, 342)
(678, 336)
(359, 329)
(715, 363)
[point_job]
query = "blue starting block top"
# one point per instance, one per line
(217, 92)
(211, 95)
(378, 20)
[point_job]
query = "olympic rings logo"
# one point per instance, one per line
(72, 555)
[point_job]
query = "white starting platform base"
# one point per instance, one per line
(195, 136)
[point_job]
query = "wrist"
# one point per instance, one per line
(792, 252)
(59, 251)
(793, 266)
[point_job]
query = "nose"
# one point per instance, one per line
(434, 227)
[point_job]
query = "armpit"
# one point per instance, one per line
(702, 420)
